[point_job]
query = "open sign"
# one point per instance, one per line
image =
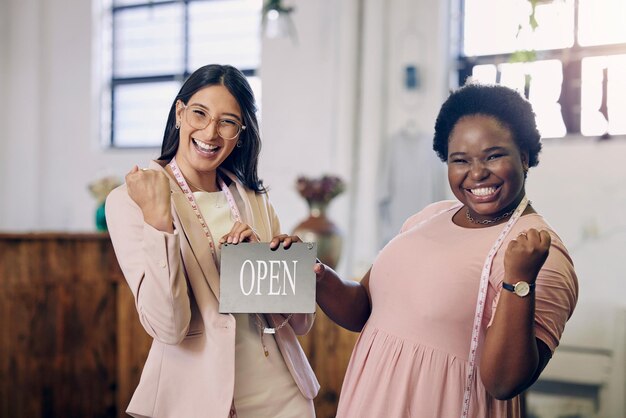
(255, 279)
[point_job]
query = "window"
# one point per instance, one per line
(156, 44)
(567, 56)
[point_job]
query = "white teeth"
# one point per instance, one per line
(203, 146)
(483, 191)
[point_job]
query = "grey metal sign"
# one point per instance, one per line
(255, 279)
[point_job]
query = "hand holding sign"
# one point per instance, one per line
(240, 232)
(286, 240)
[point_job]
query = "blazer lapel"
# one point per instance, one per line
(191, 229)
(197, 240)
(246, 211)
(251, 213)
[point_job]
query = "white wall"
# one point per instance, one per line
(50, 150)
(307, 111)
(4, 64)
(20, 157)
(333, 100)
(579, 188)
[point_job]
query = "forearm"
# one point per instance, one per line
(347, 303)
(510, 358)
(162, 297)
(151, 263)
(159, 217)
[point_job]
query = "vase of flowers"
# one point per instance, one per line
(100, 189)
(318, 193)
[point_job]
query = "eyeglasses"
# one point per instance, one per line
(199, 118)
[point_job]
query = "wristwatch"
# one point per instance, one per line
(521, 289)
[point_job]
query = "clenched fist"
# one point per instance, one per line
(526, 254)
(150, 190)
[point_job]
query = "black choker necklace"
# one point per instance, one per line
(487, 221)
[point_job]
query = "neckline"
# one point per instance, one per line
(214, 200)
(168, 170)
(202, 192)
(453, 211)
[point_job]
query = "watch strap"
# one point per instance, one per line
(511, 287)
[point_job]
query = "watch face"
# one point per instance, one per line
(522, 289)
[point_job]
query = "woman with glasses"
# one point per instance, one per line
(167, 224)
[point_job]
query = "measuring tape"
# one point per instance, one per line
(480, 304)
(192, 201)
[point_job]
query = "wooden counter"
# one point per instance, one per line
(70, 341)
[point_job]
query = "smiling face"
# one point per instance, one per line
(201, 151)
(485, 166)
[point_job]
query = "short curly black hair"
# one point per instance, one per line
(503, 103)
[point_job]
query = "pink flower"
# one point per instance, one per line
(320, 190)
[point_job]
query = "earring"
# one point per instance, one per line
(239, 144)
(177, 125)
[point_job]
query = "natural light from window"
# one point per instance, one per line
(589, 74)
(155, 45)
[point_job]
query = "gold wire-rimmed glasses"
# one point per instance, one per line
(199, 118)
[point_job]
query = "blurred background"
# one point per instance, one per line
(347, 89)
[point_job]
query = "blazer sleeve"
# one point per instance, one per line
(151, 263)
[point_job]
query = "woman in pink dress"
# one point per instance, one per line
(462, 310)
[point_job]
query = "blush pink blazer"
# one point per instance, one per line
(190, 370)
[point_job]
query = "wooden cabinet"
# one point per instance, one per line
(70, 341)
(71, 344)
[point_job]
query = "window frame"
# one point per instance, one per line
(114, 82)
(572, 69)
